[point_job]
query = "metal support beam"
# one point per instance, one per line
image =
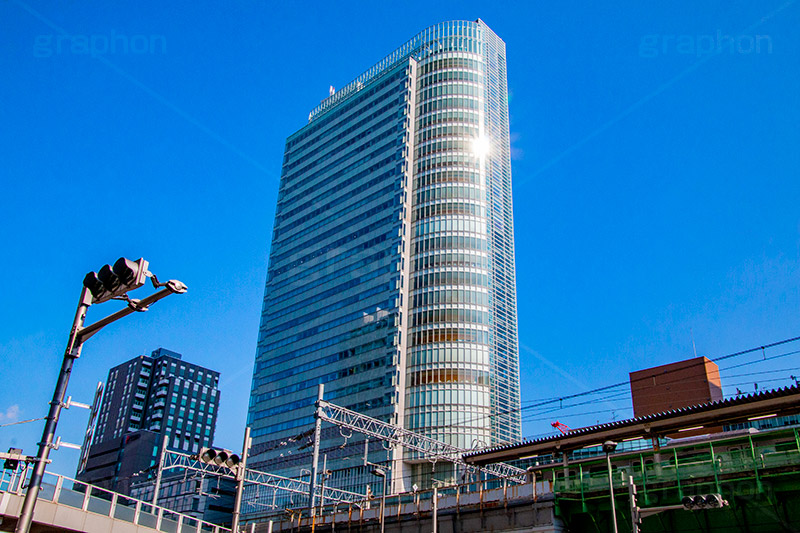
(435, 509)
(173, 287)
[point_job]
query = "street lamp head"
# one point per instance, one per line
(177, 287)
(609, 446)
(380, 472)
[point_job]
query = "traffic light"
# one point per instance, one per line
(703, 501)
(108, 282)
(219, 457)
(12, 463)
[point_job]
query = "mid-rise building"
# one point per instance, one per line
(391, 276)
(146, 400)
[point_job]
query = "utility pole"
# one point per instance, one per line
(312, 485)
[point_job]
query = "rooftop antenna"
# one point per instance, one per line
(694, 348)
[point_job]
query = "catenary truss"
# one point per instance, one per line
(432, 449)
(298, 486)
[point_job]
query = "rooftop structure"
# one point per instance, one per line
(675, 385)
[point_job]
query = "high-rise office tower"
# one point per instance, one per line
(146, 399)
(391, 273)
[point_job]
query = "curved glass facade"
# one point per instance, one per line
(391, 275)
(462, 367)
(448, 392)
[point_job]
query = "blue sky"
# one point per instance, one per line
(656, 183)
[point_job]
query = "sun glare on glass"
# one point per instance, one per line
(481, 146)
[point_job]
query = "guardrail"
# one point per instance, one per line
(70, 492)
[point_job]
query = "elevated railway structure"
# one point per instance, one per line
(567, 488)
(758, 472)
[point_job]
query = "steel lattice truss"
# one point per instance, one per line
(298, 486)
(432, 449)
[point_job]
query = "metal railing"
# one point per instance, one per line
(459, 497)
(723, 460)
(69, 492)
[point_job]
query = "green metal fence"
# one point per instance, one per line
(679, 468)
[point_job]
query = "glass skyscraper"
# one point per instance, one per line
(391, 273)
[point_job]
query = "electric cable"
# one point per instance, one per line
(631, 381)
(22, 422)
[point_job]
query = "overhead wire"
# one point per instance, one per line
(598, 390)
(21, 422)
(605, 388)
(611, 396)
(763, 372)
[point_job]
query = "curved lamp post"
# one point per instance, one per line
(609, 446)
(381, 473)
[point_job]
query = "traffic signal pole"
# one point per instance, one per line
(73, 351)
(708, 501)
(172, 287)
(77, 336)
